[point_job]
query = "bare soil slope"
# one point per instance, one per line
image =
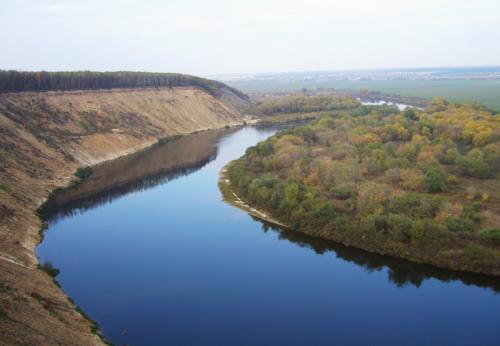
(44, 138)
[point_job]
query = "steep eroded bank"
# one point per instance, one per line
(44, 138)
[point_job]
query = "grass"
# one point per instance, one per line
(486, 92)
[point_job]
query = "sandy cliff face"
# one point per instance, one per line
(44, 137)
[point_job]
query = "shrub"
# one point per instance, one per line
(305, 132)
(393, 175)
(459, 224)
(472, 211)
(381, 223)
(492, 233)
(473, 165)
(400, 224)
(449, 156)
(343, 191)
(410, 114)
(411, 179)
(169, 139)
(436, 180)
(49, 269)
(84, 172)
(399, 162)
(264, 148)
(372, 166)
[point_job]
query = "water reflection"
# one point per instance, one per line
(136, 172)
(177, 265)
(400, 272)
(163, 163)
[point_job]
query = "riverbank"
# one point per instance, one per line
(232, 198)
(44, 138)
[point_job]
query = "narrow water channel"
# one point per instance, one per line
(148, 248)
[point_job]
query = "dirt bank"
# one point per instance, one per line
(44, 138)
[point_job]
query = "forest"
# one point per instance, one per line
(416, 184)
(19, 81)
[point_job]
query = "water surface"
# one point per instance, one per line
(149, 247)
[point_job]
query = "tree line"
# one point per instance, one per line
(305, 104)
(19, 81)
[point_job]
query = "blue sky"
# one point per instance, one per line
(219, 36)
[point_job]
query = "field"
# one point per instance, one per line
(486, 92)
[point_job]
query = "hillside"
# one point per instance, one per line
(44, 138)
(417, 184)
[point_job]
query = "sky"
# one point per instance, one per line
(229, 37)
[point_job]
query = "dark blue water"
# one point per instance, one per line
(165, 259)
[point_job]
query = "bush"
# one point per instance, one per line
(410, 114)
(436, 180)
(459, 224)
(472, 211)
(169, 139)
(492, 233)
(84, 172)
(305, 132)
(343, 191)
(400, 224)
(264, 148)
(49, 269)
(449, 156)
(473, 165)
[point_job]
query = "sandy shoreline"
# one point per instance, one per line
(232, 198)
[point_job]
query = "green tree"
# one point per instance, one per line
(436, 180)
(473, 165)
(410, 114)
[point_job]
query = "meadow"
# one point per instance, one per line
(486, 92)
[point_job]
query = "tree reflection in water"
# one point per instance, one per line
(400, 272)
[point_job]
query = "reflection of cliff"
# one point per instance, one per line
(137, 172)
(400, 272)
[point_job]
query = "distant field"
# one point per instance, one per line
(485, 91)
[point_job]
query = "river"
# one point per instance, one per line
(148, 249)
